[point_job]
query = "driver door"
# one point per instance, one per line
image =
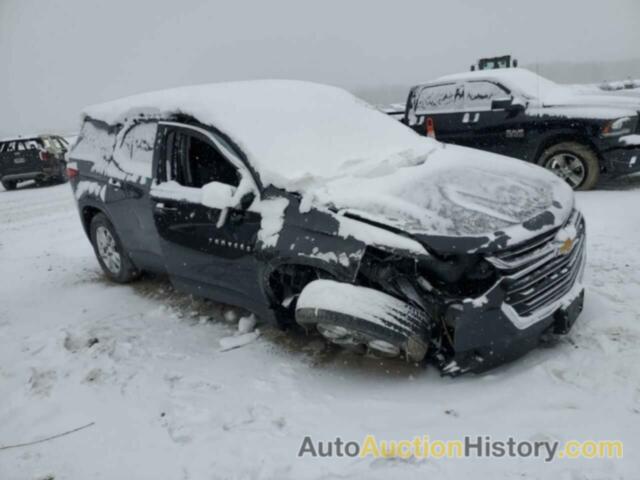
(208, 250)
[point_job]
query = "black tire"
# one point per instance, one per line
(126, 270)
(9, 184)
(587, 158)
(370, 317)
(62, 178)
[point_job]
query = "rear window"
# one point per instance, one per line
(52, 144)
(33, 144)
(440, 98)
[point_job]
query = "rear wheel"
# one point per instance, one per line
(62, 177)
(573, 162)
(9, 184)
(360, 319)
(111, 255)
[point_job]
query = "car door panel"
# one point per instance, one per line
(207, 251)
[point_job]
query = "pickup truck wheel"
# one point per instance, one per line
(111, 255)
(9, 184)
(360, 318)
(575, 163)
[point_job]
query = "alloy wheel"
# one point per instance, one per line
(108, 250)
(568, 167)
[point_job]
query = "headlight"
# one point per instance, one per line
(619, 126)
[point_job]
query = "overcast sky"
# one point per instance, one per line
(59, 55)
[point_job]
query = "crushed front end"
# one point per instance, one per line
(538, 291)
(490, 308)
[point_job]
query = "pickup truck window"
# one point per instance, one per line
(479, 95)
(440, 98)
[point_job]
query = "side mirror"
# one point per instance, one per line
(218, 195)
(246, 200)
(508, 104)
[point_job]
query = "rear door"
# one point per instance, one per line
(208, 250)
(127, 192)
(441, 105)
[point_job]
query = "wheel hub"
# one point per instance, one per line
(108, 250)
(568, 167)
(354, 340)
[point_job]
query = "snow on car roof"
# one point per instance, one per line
(526, 81)
(292, 131)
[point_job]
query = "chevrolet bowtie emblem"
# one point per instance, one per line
(566, 246)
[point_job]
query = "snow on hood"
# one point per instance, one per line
(456, 192)
(291, 131)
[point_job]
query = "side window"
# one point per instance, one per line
(11, 146)
(95, 144)
(2, 147)
(134, 151)
(31, 144)
(193, 162)
(21, 147)
(440, 98)
(479, 95)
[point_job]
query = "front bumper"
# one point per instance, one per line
(50, 170)
(539, 291)
(487, 337)
(623, 160)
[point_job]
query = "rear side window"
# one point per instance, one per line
(479, 95)
(2, 147)
(440, 98)
(95, 143)
(32, 144)
(134, 152)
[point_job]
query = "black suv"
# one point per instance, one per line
(515, 112)
(40, 158)
(376, 237)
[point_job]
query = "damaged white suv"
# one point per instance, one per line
(309, 207)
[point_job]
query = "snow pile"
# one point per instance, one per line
(246, 334)
(630, 140)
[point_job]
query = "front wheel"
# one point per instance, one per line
(111, 255)
(574, 163)
(360, 319)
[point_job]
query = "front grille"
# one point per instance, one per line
(538, 272)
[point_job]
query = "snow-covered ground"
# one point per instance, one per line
(169, 401)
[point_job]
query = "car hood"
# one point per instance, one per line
(615, 102)
(457, 200)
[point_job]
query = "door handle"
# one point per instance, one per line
(165, 208)
(115, 183)
(471, 117)
(236, 216)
